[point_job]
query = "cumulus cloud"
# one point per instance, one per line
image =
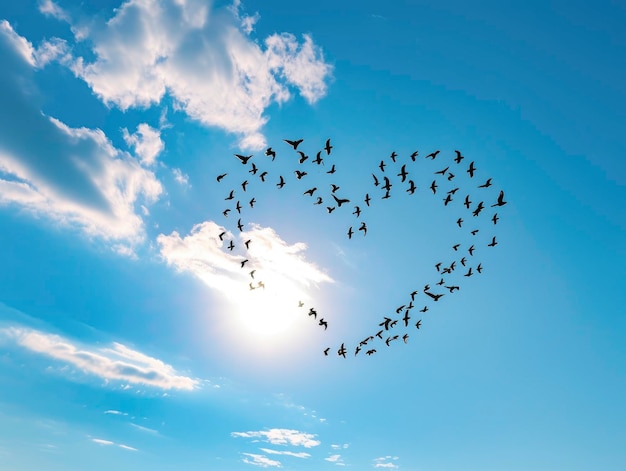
(260, 460)
(205, 60)
(281, 436)
(49, 8)
(205, 255)
(146, 142)
(115, 363)
(74, 176)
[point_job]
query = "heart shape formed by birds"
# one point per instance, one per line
(468, 200)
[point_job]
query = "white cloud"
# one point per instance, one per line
(146, 142)
(180, 177)
(49, 8)
(335, 459)
(19, 44)
(386, 462)
(115, 412)
(300, 454)
(204, 59)
(145, 429)
(126, 447)
(48, 50)
(281, 436)
(100, 441)
(118, 363)
(260, 460)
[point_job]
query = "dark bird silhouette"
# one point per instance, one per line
(333, 187)
(467, 202)
(326, 351)
(281, 183)
(433, 187)
(262, 176)
(231, 195)
(447, 199)
(391, 339)
(328, 147)
(456, 247)
(432, 155)
(458, 157)
(400, 308)
(381, 166)
(243, 262)
(418, 324)
(251, 287)
(310, 191)
(300, 304)
(312, 312)
(387, 195)
(441, 282)
(405, 338)
(452, 265)
(487, 184)
(330, 209)
(393, 156)
(247, 243)
(243, 158)
(495, 218)
(221, 236)
(376, 182)
(342, 351)
(387, 186)
(411, 188)
(303, 156)
(323, 323)
(239, 225)
(231, 246)
(357, 350)
(332, 170)
(370, 352)
(252, 274)
(318, 159)
(403, 173)
(426, 287)
(478, 209)
(270, 153)
(413, 155)
(363, 228)
(479, 268)
(442, 172)
(367, 199)
(220, 177)
(500, 201)
(252, 201)
(319, 200)
(463, 260)
(300, 174)
(350, 233)
(475, 231)
(469, 272)
(453, 191)
(434, 296)
(253, 170)
(459, 222)
(438, 266)
(379, 334)
(424, 309)
(452, 288)
(244, 184)
(471, 251)
(357, 211)
(225, 212)
(294, 144)
(406, 318)
(471, 169)
(450, 176)
(493, 242)
(413, 294)
(238, 207)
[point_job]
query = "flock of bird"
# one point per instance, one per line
(385, 179)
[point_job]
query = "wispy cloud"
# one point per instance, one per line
(115, 412)
(336, 459)
(386, 462)
(146, 142)
(204, 59)
(103, 442)
(261, 460)
(117, 363)
(281, 436)
(180, 177)
(300, 454)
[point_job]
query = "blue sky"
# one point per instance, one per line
(129, 335)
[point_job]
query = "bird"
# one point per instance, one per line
(342, 351)
(438, 266)
(413, 155)
(475, 231)
(281, 183)
(318, 159)
(450, 176)
(367, 199)
(370, 352)
(463, 260)
(495, 218)
(459, 222)
(411, 188)
(225, 212)
(247, 243)
(328, 147)
(405, 338)
(433, 187)
(310, 191)
(332, 170)
(424, 309)
(270, 153)
(231, 195)
(220, 177)
(442, 172)
(221, 236)
(469, 272)
(333, 187)
(382, 166)
(478, 209)
(323, 323)
(251, 287)
(458, 157)
(406, 318)
(261, 285)
(379, 334)
(294, 144)
(479, 268)
(300, 174)
(244, 184)
(326, 351)
(467, 202)
(487, 184)
(254, 169)
(393, 156)
(413, 294)
(400, 308)
(252, 201)
(455, 247)
(453, 191)
(303, 156)
(500, 201)
(363, 228)
(262, 176)
(471, 251)
(432, 155)
(357, 350)
(312, 312)
(387, 186)
(252, 274)
(403, 173)
(243, 262)
(387, 195)
(238, 207)
(231, 246)
(350, 233)
(239, 225)
(447, 199)
(376, 182)
(300, 304)
(452, 288)
(357, 211)
(493, 242)
(330, 209)
(244, 158)
(471, 169)
(391, 339)
(319, 200)
(434, 296)
(418, 324)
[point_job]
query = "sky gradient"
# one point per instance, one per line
(130, 337)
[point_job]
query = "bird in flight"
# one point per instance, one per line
(469, 272)
(244, 185)
(303, 156)
(424, 309)
(300, 174)
(220, 177)
(413, 294)
(500, 201)
(376, 182)
(459, 222)
(370, 352)
(447, 199)
(225, 212)
(247, 243)
(442, 172)
(332, 169)
(450, 176)
(458, 157)
(493, 242)
(333, 187)
(342, 351)
(239, 225)
(244, 158)
(478, 209)
(433, 186)
(294, 144)
(238, 207)
(367, 199)
(243, 262)
(330, 209)
(495, 218)
(262, 176)
(357, 211)
(328, 147)
(418, 324)
(231, 195)
(479, 268)
(221, 236)
(405, 338)
(403, 173)
(310, 191)
(270, 153)
(387, 186)
(350, 233)
(471, 169)
(413, 155)
(363, 228)
(432, 155)
(319, 200)
(434, 296)
(252, 201)
(281, 183)
(467, 202)
(318, 159)
(326, 351)
(231, 246)
(254, 169)
(487, 184)
(252, 274)
(312, 312)
(411, 188)
(393, 156)
(382, 166)
(471, 251)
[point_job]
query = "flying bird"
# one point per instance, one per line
(403, 173)
(418, 324)
(239, 225)
(411, 188)
(332, 169)
(330, 209)
(500, 201)
(363, 228)
(254, 169)
(447, 199)
(475, 231)
(328, 147)
(458, 157)
(252, 274)
(370, 352)
(221, 236)
(270, 153)
(294, 144)
(493, 242)
(382, 166)
(318, 159)
(303, 156)
(376, 182)
(471, 251)
(243, 158)
(231, 195)
(319, 200)
(367, 199)
(220, 177)
(300, 174)
(432, 155)
(495, 218)
(450, 176)
(326, 351)
(342, 351)
(433, 187)
(413, 294)
(442, 172)
(434, 296)
(333, 187)
(413, 155)
(405, 338)
(357, 211)
(393, 156)
(243, 262)
(323, 323)
(281, 183)
(231, 246)
(479, 268)
(225, 212)
(350, 233)
(310, 191)
(238, 207)
(471, 169)
(387, 186)
(478, 209)
(262, 176)
(469, 272)
(247, 243)
(467, 202)
(252, 201)
(244, 184)
(487, 184)
(459, 222)
(312, 312)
